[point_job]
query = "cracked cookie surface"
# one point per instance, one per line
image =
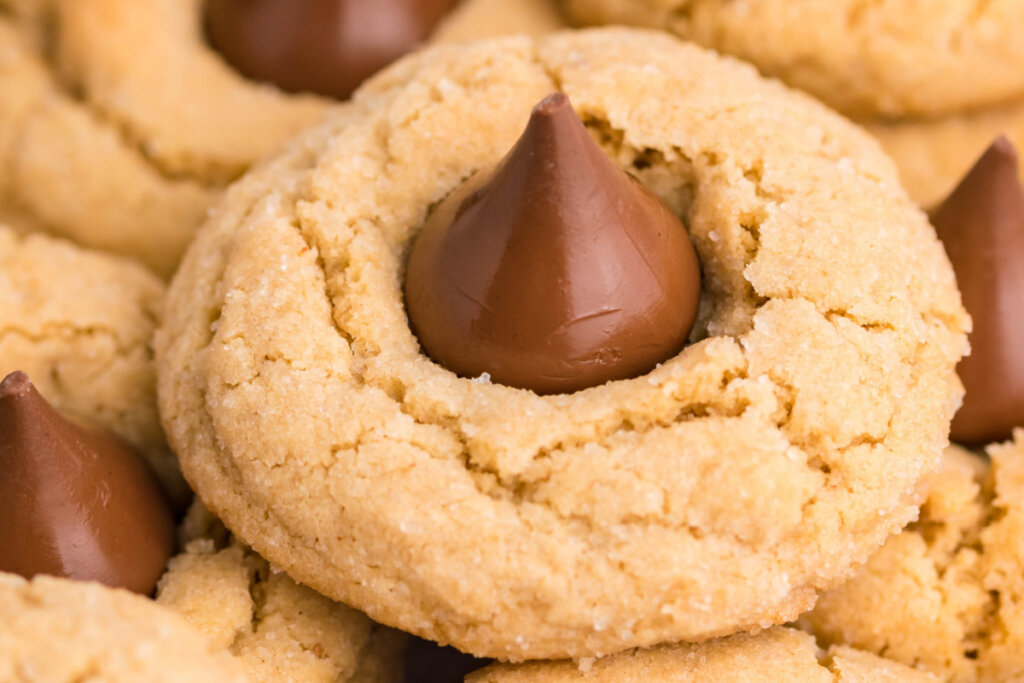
(63, 631)
(779, 654)
(119, 126)
(279, 630)
(947, 594)
(893, 58)
(717, 493)
(80, 324)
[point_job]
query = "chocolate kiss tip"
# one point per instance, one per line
(15, 384)
(553, 104)
(1003, 145)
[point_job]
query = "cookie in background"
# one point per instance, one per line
(121, 125)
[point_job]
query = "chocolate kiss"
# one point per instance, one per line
(554, 271)
(327, 47)
(981, 225)
(75, 503)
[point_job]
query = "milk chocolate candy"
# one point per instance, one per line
(74, 502)
(328, 47)
(554, 271)
(981, 225)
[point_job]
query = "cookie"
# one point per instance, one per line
(70, 171)
(779, 654)
(127, 134)
(886, 59)
(279, 630)
(932, 155)
(946, 594)
(719, 492)
(79, 324)
(63, 631)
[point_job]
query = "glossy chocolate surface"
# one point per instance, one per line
(328, 47)
(981, 225)
(555, 271)
(73, 502)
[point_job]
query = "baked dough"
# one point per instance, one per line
(280, 631)
(718, 493)
(891, 59)
(61, 631)
(947, 594)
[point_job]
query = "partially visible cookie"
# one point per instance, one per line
(279, 630)
(120, 125)
(867, 59)
(79, 323)
(933, 155)
(69, 171)
(947, 594)
(780, 654)
(61, 631)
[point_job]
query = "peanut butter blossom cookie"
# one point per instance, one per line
(890, 59)
(734, 340)
(62, 631)
(124, 129)
(780, 654)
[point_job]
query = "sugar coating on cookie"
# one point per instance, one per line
(717, 493)
(894, 58)
(779, 654)
(279, 630)
(947, 594)
(79, 323)
(59, 630)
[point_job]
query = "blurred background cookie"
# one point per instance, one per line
(886, 59)
(120, 121)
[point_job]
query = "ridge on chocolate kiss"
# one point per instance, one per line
(76, 503)
(981, 225)
(553, 271)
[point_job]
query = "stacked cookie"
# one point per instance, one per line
(596, 354)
